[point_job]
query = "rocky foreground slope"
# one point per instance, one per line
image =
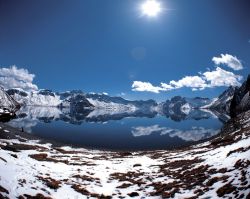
(214, 169)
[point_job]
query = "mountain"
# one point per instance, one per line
(76, 102)
(222, 103)
(6, 101)
(198, 102)
(98, 99)
(7, 104)
(241, 99)
(42, 97)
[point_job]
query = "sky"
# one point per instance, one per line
(191, 48)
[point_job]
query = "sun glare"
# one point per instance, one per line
(151, 8)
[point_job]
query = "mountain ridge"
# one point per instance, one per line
(77, 101)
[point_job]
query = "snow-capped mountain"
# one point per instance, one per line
(76, 101)
(35, 98)
(198, 102)
(222, 103)
(7, 103)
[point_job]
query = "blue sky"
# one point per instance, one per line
(106, 45)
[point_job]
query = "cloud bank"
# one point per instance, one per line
(14, 77)
(209, 79)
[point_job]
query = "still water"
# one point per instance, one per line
(123, 131)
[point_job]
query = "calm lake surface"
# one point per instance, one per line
(117, 132)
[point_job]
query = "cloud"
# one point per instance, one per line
(166, 87)
(193, 134)
(228, 60)
(220, 77)
(146, 86)
(194, 82)
(209, 79)
(14, 77)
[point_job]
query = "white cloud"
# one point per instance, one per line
(228, 60)
(146, 86)
(14, 77)
(220, 77)
(209, 79)
(166, 87)
(194, 82)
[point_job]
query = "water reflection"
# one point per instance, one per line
(193, 134)
(138, 129)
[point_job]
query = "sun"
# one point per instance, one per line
(151, 8)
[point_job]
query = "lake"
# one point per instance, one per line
(98, 130)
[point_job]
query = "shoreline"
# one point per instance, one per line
(215, 168)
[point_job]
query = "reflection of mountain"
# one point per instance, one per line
(181, 108)
(193, 134)
(106, 107)
(28, 116)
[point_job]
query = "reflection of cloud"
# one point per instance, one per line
(26, 123)
(32, 114)
(142, 131)
(194, 134)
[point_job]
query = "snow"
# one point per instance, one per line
(6, 102)
(101, 165)
(209, 105)
(186, 108)
(33, 98)
(27, 168)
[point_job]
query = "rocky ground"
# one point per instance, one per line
(217, 168)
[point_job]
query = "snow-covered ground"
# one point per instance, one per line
(214, 169)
